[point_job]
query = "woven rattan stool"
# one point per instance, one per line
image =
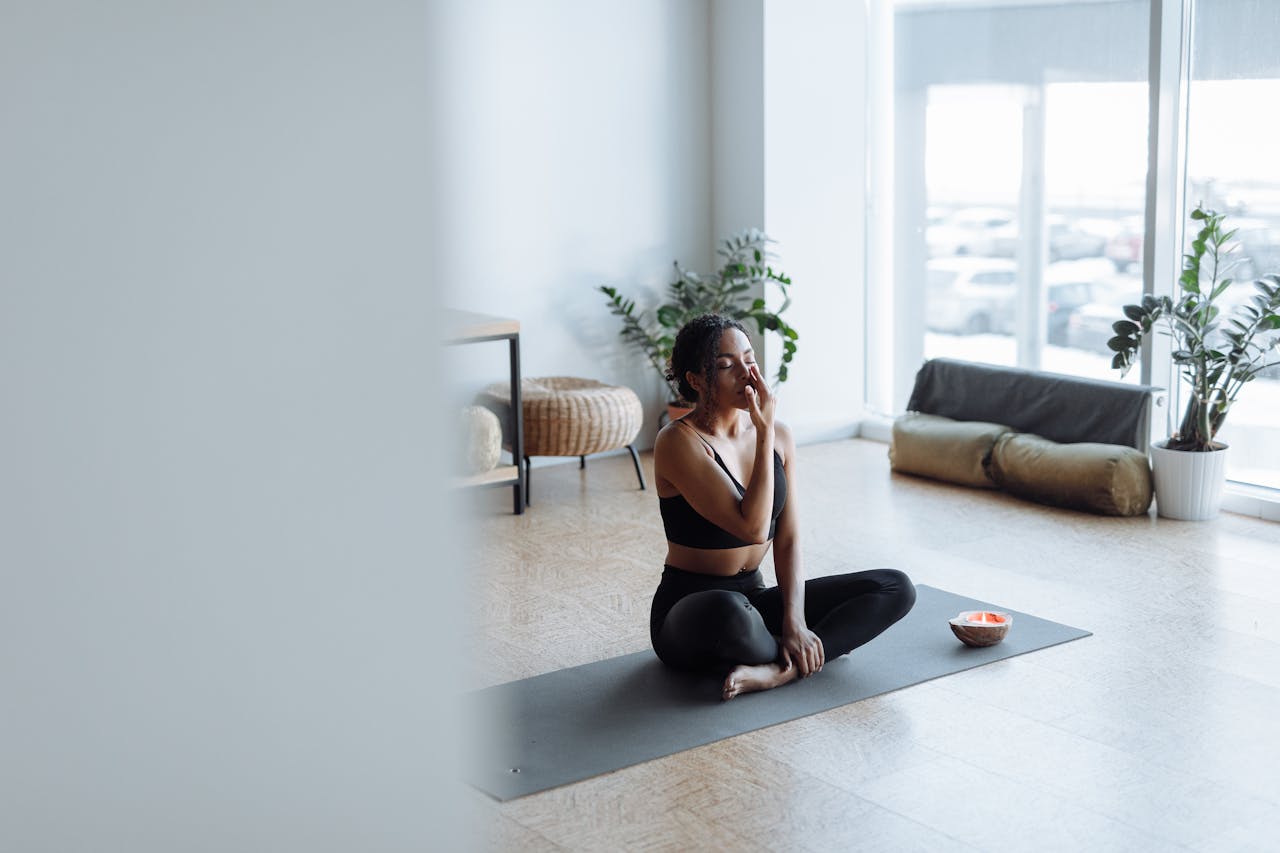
(567, 416)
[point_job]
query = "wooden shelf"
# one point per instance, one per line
(469, 327)
(503, 475)
(464, 326)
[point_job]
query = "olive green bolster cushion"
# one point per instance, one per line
(938, 447)
(1109, 479)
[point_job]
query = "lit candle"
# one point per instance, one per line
(981, 627)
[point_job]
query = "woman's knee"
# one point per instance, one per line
(729, 615)
(898, 585)
(744, 638)
(719, 622)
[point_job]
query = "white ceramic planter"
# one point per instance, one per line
(1188, 485)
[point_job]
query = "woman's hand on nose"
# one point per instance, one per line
(760, 400)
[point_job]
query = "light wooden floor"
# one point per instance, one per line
(1160, 732)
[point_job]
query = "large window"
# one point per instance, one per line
(1231, 165)
(1019, 184)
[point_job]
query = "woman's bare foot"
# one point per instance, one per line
(750, 679)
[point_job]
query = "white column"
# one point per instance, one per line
(737, 134)
(1030, 324)
(910, 252)
(881, 281)
(1169, 70)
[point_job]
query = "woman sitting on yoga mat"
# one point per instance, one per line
(712, 609)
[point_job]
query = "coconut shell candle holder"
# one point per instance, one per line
(981, 627)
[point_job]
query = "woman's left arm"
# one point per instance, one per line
(800, 646)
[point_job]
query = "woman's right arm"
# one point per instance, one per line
(683, 460)
(757, 503)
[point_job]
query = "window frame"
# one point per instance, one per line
(1170, 43)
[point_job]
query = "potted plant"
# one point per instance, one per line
(744, 268)
(1217, 353)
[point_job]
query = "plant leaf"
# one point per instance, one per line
(1121, 343)
(670, 316)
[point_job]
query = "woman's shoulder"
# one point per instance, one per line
(784, 442)
(676, 437)
(676, 430)
(667, 433)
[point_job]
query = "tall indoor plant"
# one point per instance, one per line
(744, 268)
(1217, 353)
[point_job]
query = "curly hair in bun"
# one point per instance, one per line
(695, 350)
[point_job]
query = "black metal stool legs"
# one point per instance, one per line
(636, 459)
(582, 463)
(528, 469)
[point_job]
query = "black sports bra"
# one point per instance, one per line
(684, 526)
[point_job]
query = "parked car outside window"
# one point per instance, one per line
(974, 296)
(1069, 240)
(1065, 298)
(971, 296)
(967, 231)
(1124, 249)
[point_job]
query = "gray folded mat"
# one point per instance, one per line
(1060, 408)
(576, 723)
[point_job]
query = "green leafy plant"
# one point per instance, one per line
(744, 267)
(1217, 354)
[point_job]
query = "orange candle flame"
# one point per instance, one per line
(988, 618)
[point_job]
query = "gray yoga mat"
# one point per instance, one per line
(570, 725)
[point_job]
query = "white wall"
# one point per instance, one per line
(590, 143)
(575, 152)
(221, 617)
(738, 112)
(815, 204)
(788, 153)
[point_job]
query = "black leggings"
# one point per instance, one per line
(714, 622)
